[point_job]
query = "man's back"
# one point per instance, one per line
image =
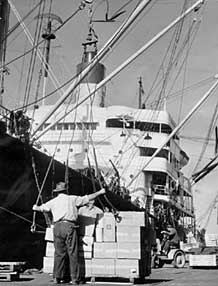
(65, 207)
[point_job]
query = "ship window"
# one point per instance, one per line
(166, 128)
(72, 126)
(148, 152)
(79, 125)
(159, 178)
(114, 123)
(45, 125)
(66, 126)
(147, 126)
(94, 126)
(59, 126)
(90, 125)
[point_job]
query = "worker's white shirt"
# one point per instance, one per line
(65, 206)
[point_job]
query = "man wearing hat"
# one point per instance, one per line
(64, 209)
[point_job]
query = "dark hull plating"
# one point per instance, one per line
(18, 193)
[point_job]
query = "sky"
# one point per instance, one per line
(200, 57)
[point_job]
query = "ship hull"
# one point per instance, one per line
(22, 168)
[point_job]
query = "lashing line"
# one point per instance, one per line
(114, 211)
(93, 184)
(33, 226)
(19, 216)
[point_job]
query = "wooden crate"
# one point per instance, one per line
(9, 276)
(203, 260)
(11, 266)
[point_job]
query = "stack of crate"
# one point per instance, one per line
(48, 260)
(87, 222)
(109, 248)
(120, 247)
(10, 271)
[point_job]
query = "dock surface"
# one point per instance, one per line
(166, 276)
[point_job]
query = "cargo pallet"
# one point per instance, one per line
(10, 271)
(132, 279)
(9, 276)
(11, 266)
(203, 260)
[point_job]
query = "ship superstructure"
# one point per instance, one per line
(122, 139)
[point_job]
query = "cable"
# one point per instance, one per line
(19, 216)
(81, 7)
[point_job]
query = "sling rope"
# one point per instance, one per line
(40, 189)
(93, 184)
(19, 216)
(114, 211)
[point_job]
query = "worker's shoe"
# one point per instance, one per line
(59, 281)
(73, 282)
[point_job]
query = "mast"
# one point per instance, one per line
(4, 23)
(48, 36)
(141, 93)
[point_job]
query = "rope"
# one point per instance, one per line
(33, 56)
(81, 7)
(33, 227)
(99, 176)
(93, 184)
(19, 216)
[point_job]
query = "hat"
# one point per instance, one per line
(61, 186)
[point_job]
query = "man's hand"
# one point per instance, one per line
(35, 208)
(164, 232)
(102, 191)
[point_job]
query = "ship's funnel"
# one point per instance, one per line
(96, 75)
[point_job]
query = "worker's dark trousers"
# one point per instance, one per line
(66, 243)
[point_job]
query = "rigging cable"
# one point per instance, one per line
(208, 212)
(23, 19)
(40, 189)
(173, 62)
(33, 57)
(159, 35)
(19, 216)
(81, 7)
(178, 33)
(208, 136)
(93, 184)
(38, 52)
(100, 177)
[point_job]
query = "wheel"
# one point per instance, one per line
(179, 259)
